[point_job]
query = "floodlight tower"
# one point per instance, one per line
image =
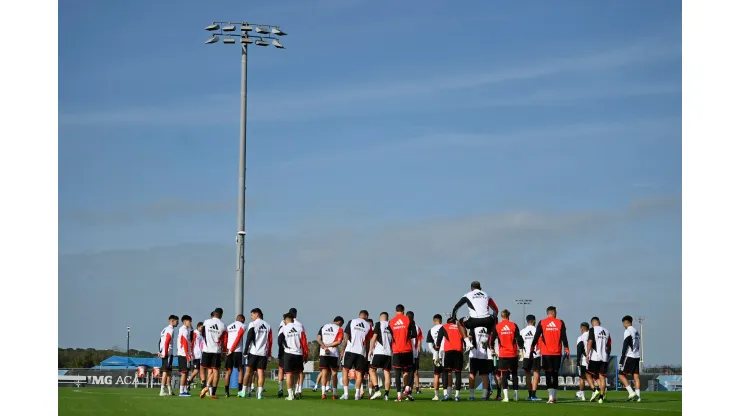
(263, 33)
(641, 320)
(524, 303)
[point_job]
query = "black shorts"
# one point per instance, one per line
(582, 371)
(535, 364)
(234, 360)
(382, 362)
(327, 362)
(403, 360)
(257, 362)
(167, 363)
(597, 367)
(195, 365)
(551, 363)
(210, 360)
(183, 365)
(630, 366)
(453, 361)
(354, 361)
(487, 322)
(439, 371)
(508, 364)
(415, 365)
(292, 363)
(481, 366)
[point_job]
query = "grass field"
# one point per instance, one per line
(99, 401)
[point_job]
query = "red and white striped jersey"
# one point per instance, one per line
(235, 339)
(259, 338)
(167, 344)
(359, 334)
(416, 341)
(214, 338)
(198, 346)
(185, 342)
(330, 333)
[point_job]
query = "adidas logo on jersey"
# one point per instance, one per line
(214, 326)
(292, 331)
(398, 322)
(478, 295)
(330, 329)
(551, 325)
(506, 328)
(602, 333)
(529, 334)
(263, 326)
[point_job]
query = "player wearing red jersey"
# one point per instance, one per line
(402, 331)
(551, 331)
(450, 341)
(510, 346)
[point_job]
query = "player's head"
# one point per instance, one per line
(410, 314)
(437, 319)
(584, 327)
(173, 320)
(338, 321)
(241, 318)
(256, 314)
(371, 322)
(199, 326)
(552, 311)
(505, 314)
(218, 313)
(450, 320)
(288, 318)
(595, 321)
(475, 285)
(627, 321)
(294, 311)
(384, 316)
(187, 321)
(363, 314)
(531, 320)
(400, 309)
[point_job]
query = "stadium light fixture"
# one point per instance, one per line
(268, 33)
(524, 303)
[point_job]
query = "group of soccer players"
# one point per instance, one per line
(393, 344)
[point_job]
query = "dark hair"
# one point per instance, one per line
(596, 318)
(531, 318)
(339, 319)
(437, 317)
(173, 317)
(370, 321)
(450, 320)
(240, 317)
(410, 315)
(505, 314)
(364, 312)
(294, 311)
(584, 325)
(199, 324)
(288, 315)
(400, 308)
(186, 318)
(258, 311)
(551, 309)
(475, 285)
(219, 310)
(627, 318)
(384, 313)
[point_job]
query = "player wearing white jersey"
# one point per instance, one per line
(629, 362)
(432, 344)
(597, 356)
(480, 361)
(354, 352)
(531, 366)
(581, 360)
(259, 349)
(234, 352)
(380, 347)
(329, 338)
(214, 343)
(281, 371)
(479, 304)
(295, 352)
(185, 353)
(167, 349)
(198, 370)
(416, 349)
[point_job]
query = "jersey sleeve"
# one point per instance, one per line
(518, 337)
(304, 345)
(537, 336)
(237, 340)
(563, 336)
(167, 343)
(321, 330)
(369, 335)
(442, 334)
(251, 337)
(463, 301)
(413, 333)
(492, 305)
(269, 343)
(185, 344)
(628, 343)
(348, 331)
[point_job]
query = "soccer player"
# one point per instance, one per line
(551, 331)
(478, 304)
(581, 360)
(366, 382)
(510, 344)
(380, 346)
(597, 356)
(198, 370)
(356, 335)
(531, 366)
(629, 363)
(234, 353)
(481, 361)
(295, 347)
(281, 372)
(259, 350)
(214, 341)
(167, 348)
(415, 347)
(450, 340)
(402, 332)
(185, 353)
(330, 337)
(432, 344)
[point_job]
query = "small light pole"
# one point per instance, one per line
(524, 303)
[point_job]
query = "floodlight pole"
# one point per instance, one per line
(641, 320)
(245, 40)
(524, 303)
(128, 343)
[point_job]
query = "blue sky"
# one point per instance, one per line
(535, 147)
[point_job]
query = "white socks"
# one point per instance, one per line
(323, 389)
(290, 393)
(638, 392)
(630, 391)
(259, 391)
(449, 391)
(280, 384)
(506, 394)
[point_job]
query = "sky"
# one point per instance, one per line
(396, 152)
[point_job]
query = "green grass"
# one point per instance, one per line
(99, 401)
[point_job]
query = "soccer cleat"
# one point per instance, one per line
(457, 398)
(213, 396)
(343, 397)
(162, 393)
(410, 398)
(435, 398)
(203, 392)
(385, 397)
(601, 401)
(550, 401)
(445, 398)
(398, 399)
(314, 389)
(471, 398)
(299, 395)
(323, 397)
(249, 394)
(241, 394)
(594, 396)
(288, 398)
(632, 397)
(184, 395)
(376, 395)
(259, 397)
(639, 399)
(280, 393)
(505, 400)
(335, 397)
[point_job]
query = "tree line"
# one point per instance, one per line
(90, 357)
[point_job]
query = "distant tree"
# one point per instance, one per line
(313, 351)
(90, 357)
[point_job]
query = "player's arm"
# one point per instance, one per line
(493, 306)
(185, 346)
(431, 342)
(537, 336)
(374, 340)
(337, 339)
(442, 334)
(462, 302)
(251, 338)
(419, 339)
(304, 346)
(167, 343)
(238, 339)
(564, 338)
(628, 343)
(518, 337)
(580, 351)
(609, 345)
(224, 341)
(282, 343)
(320, 338)
(269, 343)
(413, 333)
(590, 344)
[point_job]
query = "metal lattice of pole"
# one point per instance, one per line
(641, 320)
(248, 34)
(524, 303)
